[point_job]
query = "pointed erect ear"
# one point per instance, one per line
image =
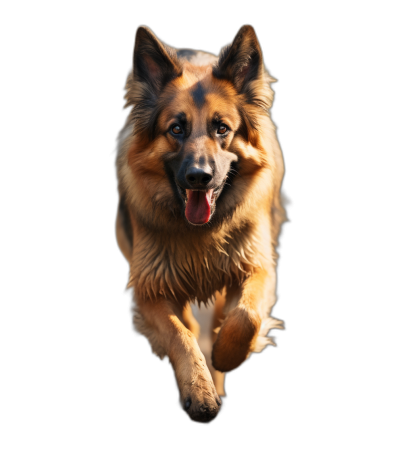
(241, 62)
(153, 62)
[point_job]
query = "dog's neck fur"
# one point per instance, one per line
(192, 266)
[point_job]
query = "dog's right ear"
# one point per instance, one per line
(154, 63)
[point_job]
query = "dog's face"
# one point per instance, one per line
(196, 125)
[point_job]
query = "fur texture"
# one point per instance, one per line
(197, 114)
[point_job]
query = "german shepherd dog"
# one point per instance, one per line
(199, 177)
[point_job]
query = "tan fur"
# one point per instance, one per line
(190, 321)
(172, 264)
(218, 318)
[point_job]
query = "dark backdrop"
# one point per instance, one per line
(114, 384)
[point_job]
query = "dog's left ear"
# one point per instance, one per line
(241, 62)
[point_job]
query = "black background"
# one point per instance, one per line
(113, 384)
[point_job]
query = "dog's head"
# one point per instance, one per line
(196, 126)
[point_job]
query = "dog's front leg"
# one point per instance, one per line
(196, 386)
(247, 323)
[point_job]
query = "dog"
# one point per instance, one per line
(199, 178)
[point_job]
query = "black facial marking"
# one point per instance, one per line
(185, 53)
(198, 96)
(181, 117)
(169, 170)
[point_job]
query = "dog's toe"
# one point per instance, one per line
(201, 401)
(202, 410)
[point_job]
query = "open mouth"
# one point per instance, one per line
(199, 204)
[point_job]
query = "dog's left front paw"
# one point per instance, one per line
(235, 340)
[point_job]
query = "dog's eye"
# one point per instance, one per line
(175, 129)
(222, 129)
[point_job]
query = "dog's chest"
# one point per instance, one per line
(174, 267)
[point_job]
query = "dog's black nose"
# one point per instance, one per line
(198, 176)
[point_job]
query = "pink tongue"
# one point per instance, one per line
(198, 206)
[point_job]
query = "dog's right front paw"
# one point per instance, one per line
(202, 407)
(199, 397)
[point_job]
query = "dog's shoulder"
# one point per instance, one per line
(124, 229)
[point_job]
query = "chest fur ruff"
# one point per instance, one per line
(192, 269)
